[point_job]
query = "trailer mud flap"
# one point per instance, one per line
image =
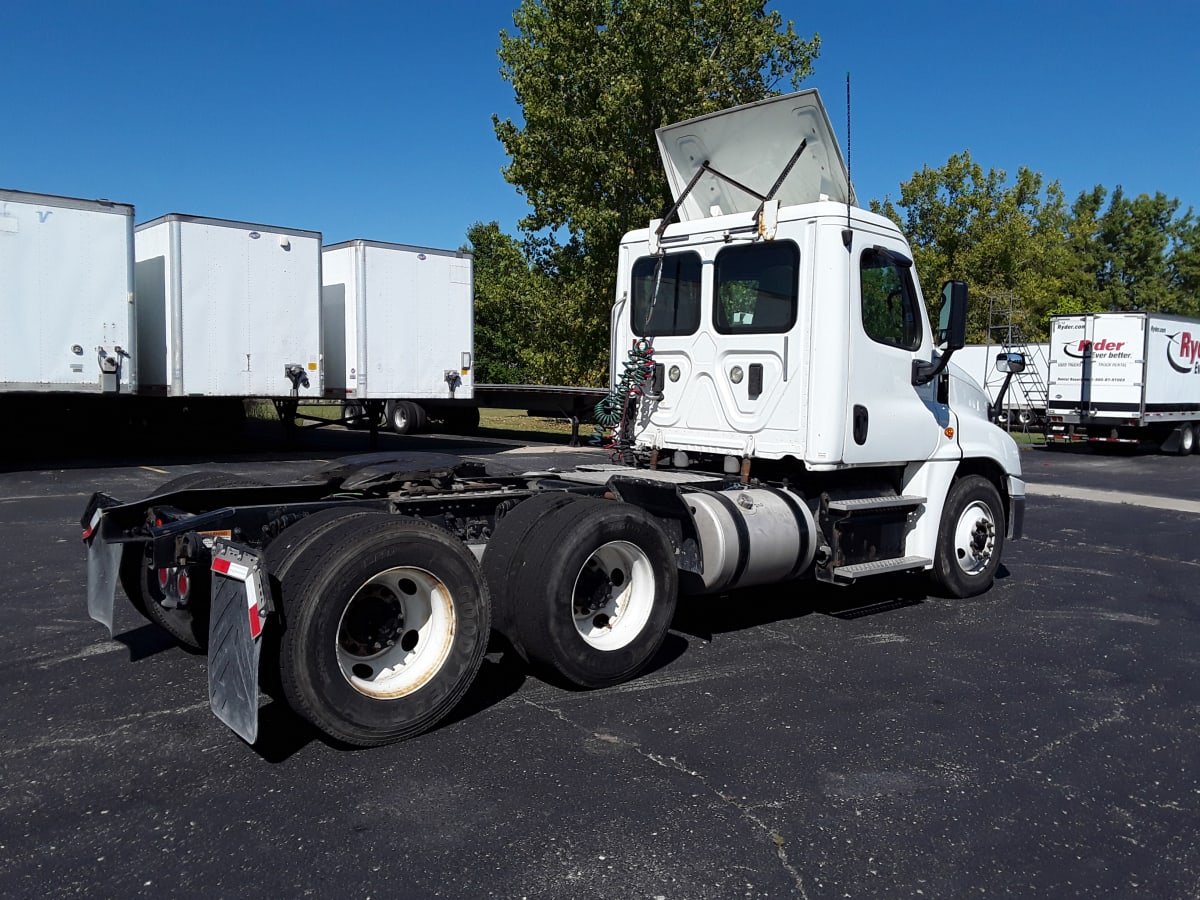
(104, 565)
(240, 604)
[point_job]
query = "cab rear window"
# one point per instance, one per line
(757, 288)
(666, 298)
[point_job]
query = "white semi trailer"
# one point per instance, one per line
(1125, 378)
(783, 411)
(226, 308)
(66, 295)
(398, 332)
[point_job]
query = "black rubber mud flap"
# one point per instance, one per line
(104, 564)
(240, 604)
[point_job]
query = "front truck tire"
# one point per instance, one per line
(176, 598)
(594, 590)
(970, 538)
(386, 622)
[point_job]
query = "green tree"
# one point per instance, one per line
(1132, 241)
(1007, 239)
(594, 79)
(1184, 265)
(531, 305)
(504, 294)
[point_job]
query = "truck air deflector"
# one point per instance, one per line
(751, 146)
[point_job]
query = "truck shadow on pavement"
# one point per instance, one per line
(503, 674)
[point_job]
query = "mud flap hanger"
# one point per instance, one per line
(767, 214)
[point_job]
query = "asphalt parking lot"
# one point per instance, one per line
(795, 742)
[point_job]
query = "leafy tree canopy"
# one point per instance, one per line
(594, 79)
(1017, 243)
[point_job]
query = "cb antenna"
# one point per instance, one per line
(848, 181)
(848, 232)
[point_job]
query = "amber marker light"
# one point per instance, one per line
(949, 431)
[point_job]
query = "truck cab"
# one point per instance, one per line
(788, 331)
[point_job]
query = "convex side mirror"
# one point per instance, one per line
(1010, 362)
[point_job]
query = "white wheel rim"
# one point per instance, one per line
(613, 595)
(975, 538)
(395, 633)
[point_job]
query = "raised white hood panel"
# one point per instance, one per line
(752, 145)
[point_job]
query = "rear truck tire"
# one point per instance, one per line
(177, 598)
(387, 621)
(501, 558)
(593, 592)
(970, 538)
(278, 556)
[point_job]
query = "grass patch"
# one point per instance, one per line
(511, 424)
(518, 420)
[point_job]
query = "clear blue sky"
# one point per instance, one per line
(373, 119)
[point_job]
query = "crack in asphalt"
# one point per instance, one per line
(1117, 715)
(745, 810)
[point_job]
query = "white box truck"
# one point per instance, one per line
(1125, 378)
(397, 330)
(784, 411)
(66, 291)
(227, 309)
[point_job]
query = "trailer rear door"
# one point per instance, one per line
(1097, 366)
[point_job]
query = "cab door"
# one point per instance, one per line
(888, 418)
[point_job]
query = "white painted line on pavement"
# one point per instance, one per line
(1098, 496)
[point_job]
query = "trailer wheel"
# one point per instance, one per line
(353, 411)
(175, 598)
(502, 559)
(1187, 439)
(970, 538)
(405, 417)
(594, 592)
(387, 623)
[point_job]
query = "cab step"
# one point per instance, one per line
(850, 574)
(866, 504)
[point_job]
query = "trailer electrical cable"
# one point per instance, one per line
(616, 412)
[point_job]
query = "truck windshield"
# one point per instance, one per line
(676, 309)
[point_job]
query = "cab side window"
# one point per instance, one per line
(666, 295)
(889, 299)
(757, 286)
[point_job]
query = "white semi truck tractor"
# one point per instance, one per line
(781, 409)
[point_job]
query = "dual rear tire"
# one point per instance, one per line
(384, 624)
(584, 589)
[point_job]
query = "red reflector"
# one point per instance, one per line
(255, 621)
(220, 565)
(87, 533)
